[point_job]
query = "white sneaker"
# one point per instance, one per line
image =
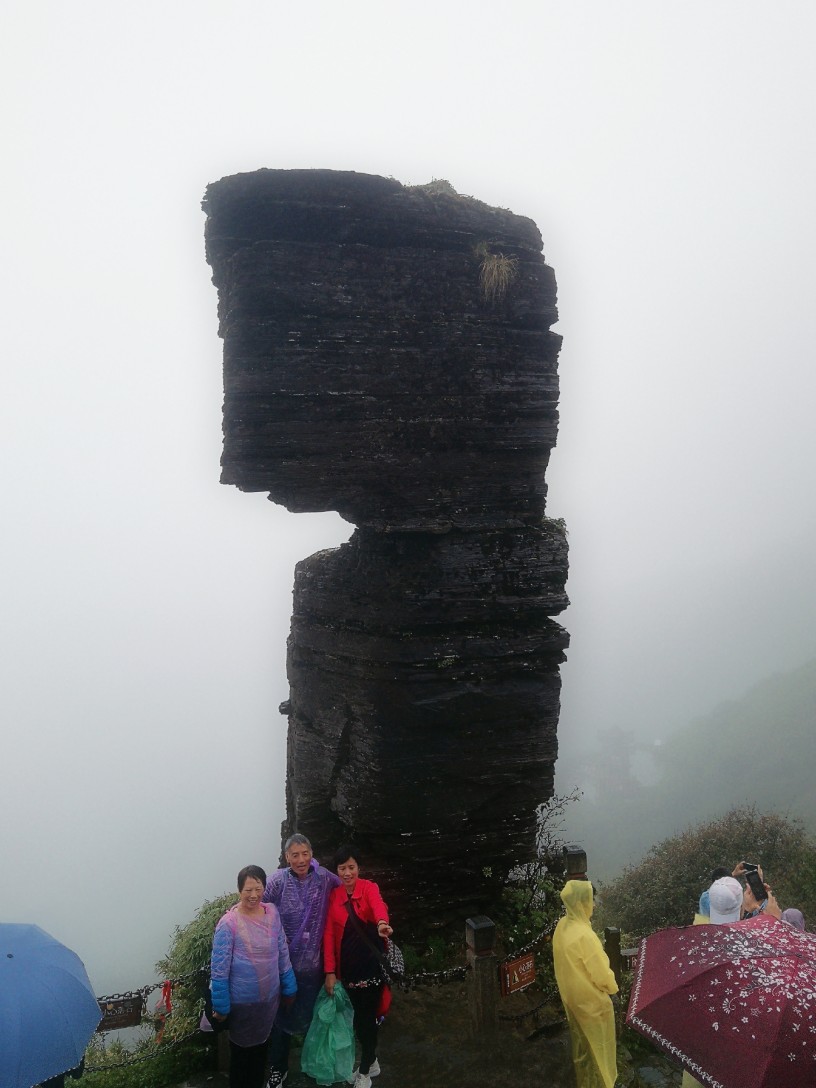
(362, 1080)
(374, 1071)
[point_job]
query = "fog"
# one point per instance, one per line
(666, 153)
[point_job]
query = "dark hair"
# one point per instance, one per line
(719, 873)
(255, 872)
(343, 853)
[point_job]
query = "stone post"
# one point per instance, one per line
(613, 951)
(482, 979)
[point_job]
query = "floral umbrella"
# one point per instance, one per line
(735, 1004)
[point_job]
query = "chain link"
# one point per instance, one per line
(453, 974)
(146, 991)
(433, 978)
(544, 935)
(530, 1012)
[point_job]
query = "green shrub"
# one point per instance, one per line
(531, 902)
(190, 951)
(146, 1063)
(664, 888)
(157, 1066)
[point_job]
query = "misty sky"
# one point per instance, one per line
(666, 151)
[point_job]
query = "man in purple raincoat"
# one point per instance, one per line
(301, 894)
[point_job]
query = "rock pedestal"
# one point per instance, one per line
(388, 354)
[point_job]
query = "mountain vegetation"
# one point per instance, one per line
(664, 888)
(757, 751)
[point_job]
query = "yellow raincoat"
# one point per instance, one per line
(585, 982)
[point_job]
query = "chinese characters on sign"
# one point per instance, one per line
(121, 1012)
(517, 974)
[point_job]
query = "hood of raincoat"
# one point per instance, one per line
(576, 895)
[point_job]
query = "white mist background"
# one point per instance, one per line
(665, 152)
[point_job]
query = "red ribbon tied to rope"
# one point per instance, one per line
(164, 1006)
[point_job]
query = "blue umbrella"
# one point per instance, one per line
(48, 1011)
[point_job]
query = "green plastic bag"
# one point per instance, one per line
(328, 1050)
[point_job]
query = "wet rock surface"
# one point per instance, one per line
(373, 366)
(365, 369)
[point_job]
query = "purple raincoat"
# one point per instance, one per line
(302, 905)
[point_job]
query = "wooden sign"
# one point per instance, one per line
(121, 1012)
(517, 974)
(629, 958)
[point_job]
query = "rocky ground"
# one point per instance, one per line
(426, 1043)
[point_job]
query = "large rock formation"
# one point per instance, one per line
(388, 354)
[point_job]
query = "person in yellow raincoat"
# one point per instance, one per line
(586, 984)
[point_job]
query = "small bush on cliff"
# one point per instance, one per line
(496, 272)
(664, 888)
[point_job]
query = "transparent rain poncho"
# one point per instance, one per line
(585, 982)
(302, 905)
(249, 969)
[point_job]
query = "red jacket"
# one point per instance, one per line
(368, 905)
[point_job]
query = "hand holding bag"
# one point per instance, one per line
(208, 1021)
(328, 1049)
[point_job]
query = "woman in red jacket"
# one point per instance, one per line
(356, 928)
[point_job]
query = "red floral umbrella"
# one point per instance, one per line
(734, 1004)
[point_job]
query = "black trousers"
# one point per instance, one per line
(364, 1001)
(247, 1065)
(279, 1043)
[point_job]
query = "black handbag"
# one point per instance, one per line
(391, 961)
(216, 1024)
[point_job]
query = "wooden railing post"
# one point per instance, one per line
(482, 978)
(613, 950)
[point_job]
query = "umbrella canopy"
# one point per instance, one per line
(735, 1004)
(48, 1011)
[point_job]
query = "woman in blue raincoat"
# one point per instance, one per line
(586, 984)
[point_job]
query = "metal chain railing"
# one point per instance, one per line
(544, 935)
(433, 978)
(550, 994)
(546, 1003)
(408, 982)
(146, 991)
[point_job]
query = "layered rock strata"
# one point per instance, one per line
(388, 354)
